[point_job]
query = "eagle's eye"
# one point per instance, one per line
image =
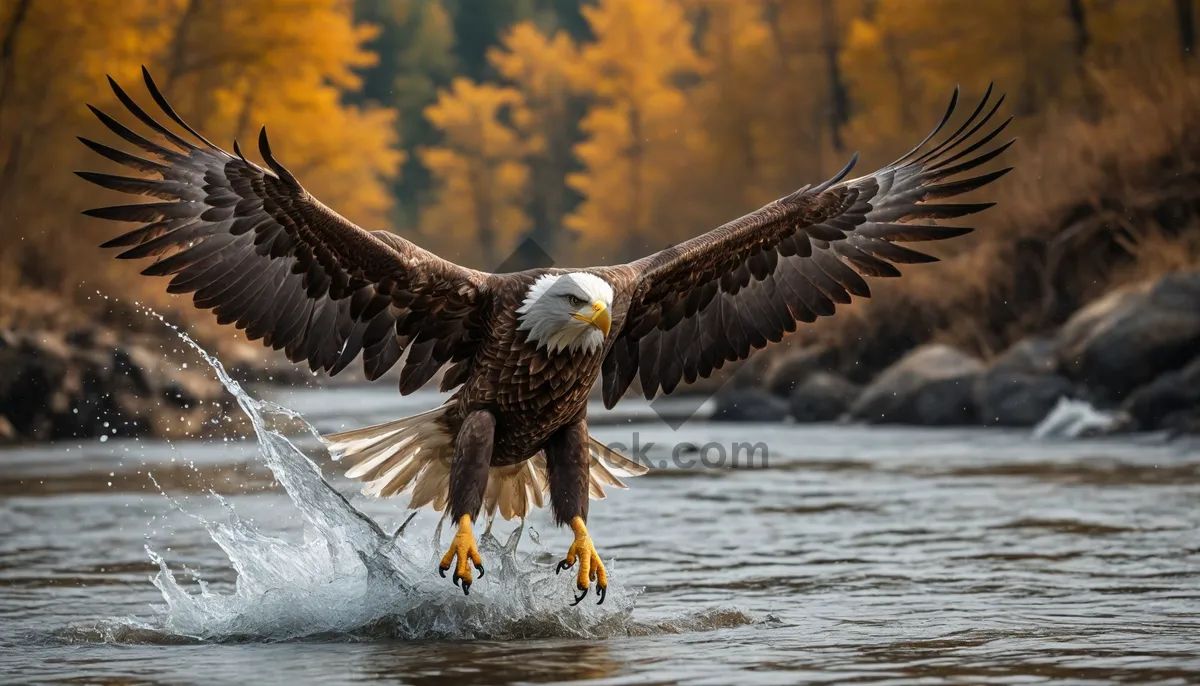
(574, 300)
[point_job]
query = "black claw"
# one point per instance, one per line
(442, 571)
(578, 600)
(601, 591)
(466, 586)
(561, 566)
(479, 568)
(456, 577)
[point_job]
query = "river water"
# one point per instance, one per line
(847, 555)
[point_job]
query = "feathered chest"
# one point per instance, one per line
(532, 392)
(514, 375)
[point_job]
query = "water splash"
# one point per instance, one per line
(1074, 419)
(348, 578)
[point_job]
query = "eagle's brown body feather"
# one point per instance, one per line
(531, 391)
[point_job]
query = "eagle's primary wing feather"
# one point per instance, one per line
(714, 298)
(261, 252)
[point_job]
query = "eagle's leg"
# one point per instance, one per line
(567, 467)
(468, 481)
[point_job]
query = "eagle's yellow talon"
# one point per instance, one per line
(590, 567)
(463, 548)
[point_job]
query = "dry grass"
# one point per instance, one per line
(1094, 203)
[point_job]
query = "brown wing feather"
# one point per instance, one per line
(265, 255)
(713, 299)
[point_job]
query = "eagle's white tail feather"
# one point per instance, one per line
(413, 454)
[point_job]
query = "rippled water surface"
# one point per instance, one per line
(852, 555)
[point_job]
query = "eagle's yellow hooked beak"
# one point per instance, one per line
(600, 318)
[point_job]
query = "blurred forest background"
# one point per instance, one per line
(605, 129)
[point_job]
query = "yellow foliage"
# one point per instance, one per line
(637, 130)
(285, 63)
(480, 170)
(539, 64)
(739, 166)
(227, 66)
(60, 54)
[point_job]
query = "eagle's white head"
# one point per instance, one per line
(567, 311)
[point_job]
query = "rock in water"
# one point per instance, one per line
(1172, 401)
(787, 372)
(33, 370)
(88, 383)
(822, 397)
(749, 405)
(1132, 335)
(929, 386)
(1021, 386)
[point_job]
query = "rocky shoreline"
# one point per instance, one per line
(1134, 352)
(93, 382)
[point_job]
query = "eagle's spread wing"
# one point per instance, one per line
(257, 249)
(712, 299)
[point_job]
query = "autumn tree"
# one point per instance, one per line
(53, 59)
(538, 65)
(480, 171)
(1139, 34)
(734, 171)
(638, 128)
(255, 62)
(227, 65)
(416, 52)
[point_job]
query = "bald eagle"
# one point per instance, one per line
(524, 349)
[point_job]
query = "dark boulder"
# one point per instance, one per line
(931, 385)
(748, 405)
(88, 384)
(1021, 386)
(786, 373)
(751, 373)
(1037, 355)
(822, 397)
(32, 371)
(1172, 401)
(1131, 336)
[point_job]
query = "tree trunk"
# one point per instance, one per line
(482, 197)
(1186, 14)
(549, 172)
(1079, 21)
(637, 154)
(7, 60)
(899, 71)
(242, 129)
(1089, 97)
(178, 62)
(12, 156)
(839, 101)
